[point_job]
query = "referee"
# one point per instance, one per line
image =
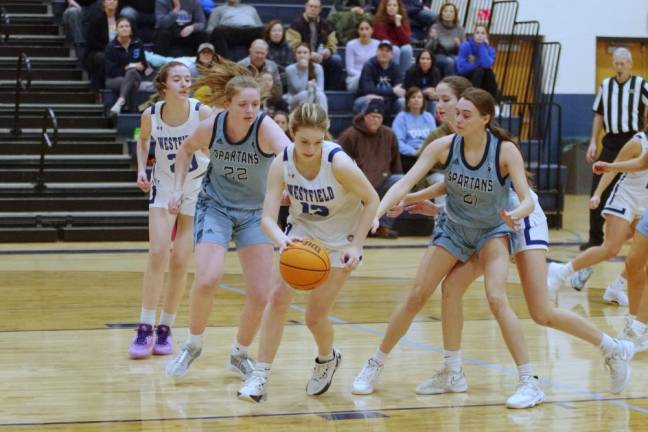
(618, 108)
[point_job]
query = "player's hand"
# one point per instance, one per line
(396, 210)
(590, 156)
(601, 167)
(374, 225)
(594, 202)
(509, 219)
(351, 257)
(288, 241)
(143, 182)
(175, 201)
(426, 208)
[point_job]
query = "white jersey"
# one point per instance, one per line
(320, 208)
(167, 140)
(533, 232)
(636, 182)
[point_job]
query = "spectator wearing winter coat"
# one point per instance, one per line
(475, 61)
(391, 23)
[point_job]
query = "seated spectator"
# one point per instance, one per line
(207, 6)
(125, 62)
(233, 24)
(358, 52)
(345, 17)
(141, 14)
(305, 80)
(421, 17)
(320, 37)
(278, 49)
(412, 126)
(206, 58)
(100, 28)
(73, 23)
(258, 61)
(424, 75)
(379, 79)
(391, 23)
(475, 61)
(274, 101)
(281, 118)
(179, 27)
(374, 148)
(444, 39)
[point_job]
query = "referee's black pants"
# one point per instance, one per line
(612, 144)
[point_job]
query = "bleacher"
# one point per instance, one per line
(83, 188)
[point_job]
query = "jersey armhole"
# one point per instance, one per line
(262, 117)
(450, 153)
(214, 128)
(498, 170)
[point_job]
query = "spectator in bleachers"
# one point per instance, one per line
(305, 80)
(206, 57)
(424, 75)
(475, 61)
(345, 17)
(380, 79)
(444, 39)
(309, 28)
(391, 23)
(141, 14)
(374, 148)
(358, 52)
(233, 24)
(274, 101)
(412, 126)
(125, 62)
(421, 17)
(278, 49)
(207, 6)
(258, 61)
(179, 27)
(281, 118)
(73, 23)
(99, 28)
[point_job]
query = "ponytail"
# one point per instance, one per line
(226, 80)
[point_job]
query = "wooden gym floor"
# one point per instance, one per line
(64, 333)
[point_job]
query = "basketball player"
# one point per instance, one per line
(331, 201)
(167, 123)
(622, 211)
(529, 246)
(635, 265)
(480, 163)
(242, 143)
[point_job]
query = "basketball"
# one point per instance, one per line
(304, 265)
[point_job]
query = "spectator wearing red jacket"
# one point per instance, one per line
(391, 23)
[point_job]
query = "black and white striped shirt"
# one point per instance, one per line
(622, 105)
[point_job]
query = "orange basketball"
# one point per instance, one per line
(304, 265)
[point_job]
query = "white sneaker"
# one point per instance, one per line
(527, 394)
(364, 382)
(179, 366)
(444, 381)
(554, 281)
(241, 365)
(323, 375)
(618, 363)
(627, 333)
(254, 389)
(638, 338)
(641, 343)
(579, 278)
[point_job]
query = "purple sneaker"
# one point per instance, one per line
(164, 341)
(142, 344)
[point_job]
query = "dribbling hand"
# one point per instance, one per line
(510, 221)
(601, 167)
(594, 202)
(174, 202)
(143, 182)
(288, 241)
(351, 258)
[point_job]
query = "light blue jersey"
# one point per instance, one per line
(475, 193)
(237, 173)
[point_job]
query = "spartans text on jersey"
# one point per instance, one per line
(237, 156)
(470, 182)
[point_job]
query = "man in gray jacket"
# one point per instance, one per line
(233, 24)
(258, 61)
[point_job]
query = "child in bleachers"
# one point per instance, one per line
(475, 61)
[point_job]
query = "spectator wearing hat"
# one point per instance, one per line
(179, 27)
(233, 24)
(374, 147)
(380, 79)
(258, 61)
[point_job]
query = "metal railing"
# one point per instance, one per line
(24, 65)
(4, 24)
(46, 143)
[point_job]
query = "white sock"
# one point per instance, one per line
(452, 359)
(237, 348)
(620, 283)
(607, 344)
(167, 319)
(380, 356)
(147, 316)
(263, 368)
(326, 358)
(525, 370)
(195, 341)
(566, 270)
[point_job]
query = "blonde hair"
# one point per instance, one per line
(226, 80)
(309, 115)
